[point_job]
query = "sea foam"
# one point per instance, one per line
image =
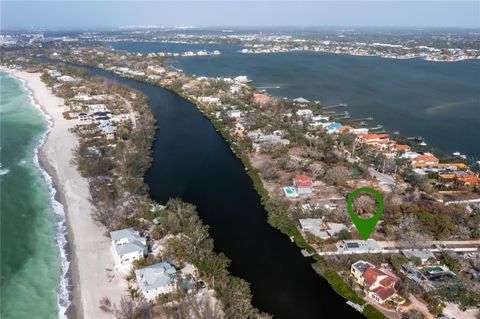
(61, 237)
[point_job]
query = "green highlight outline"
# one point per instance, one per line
(365, 226)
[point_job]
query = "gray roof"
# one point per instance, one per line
(129, 248)
(129, 233)
(316, 226)
(422, 254)
(135, 242)
(360, 245)
(154, 276)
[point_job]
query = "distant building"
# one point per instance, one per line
(301, 100)
(426, 158)
(156, 280)
(234, 113)
(209, 100)
(128, 246)
(304, 113)
(260, 98)
(333, 127)
(66, 78)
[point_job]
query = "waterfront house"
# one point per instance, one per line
(320, 228)
(54, 73)
(260, 98)
(128, 246)
(301, 100)
(358, 131)
(438, 167)
(426, 158)
(304, 113)
(157, 69)
(371, 138)
(66, 78)
(358, 268)
(378, 285)
(156, 280)
(303, 185)
(209, 100)
(333, 127)
(467, 178)
(402, 148)
(234, 113)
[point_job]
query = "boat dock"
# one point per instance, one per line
(356, 306)
(305, 253)
(336, 105)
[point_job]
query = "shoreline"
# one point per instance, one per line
(65, 299)
(86, 277)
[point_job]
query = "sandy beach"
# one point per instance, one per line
(91, 260)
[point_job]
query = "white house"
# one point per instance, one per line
(305, 113)
(234, 113)
(128, 246)
(66, 78)
(156, 279)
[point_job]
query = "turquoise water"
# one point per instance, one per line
(31, 261)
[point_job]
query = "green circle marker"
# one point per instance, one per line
(365, 226)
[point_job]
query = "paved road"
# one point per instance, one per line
(383, 178)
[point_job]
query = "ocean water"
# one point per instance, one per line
(33, 263)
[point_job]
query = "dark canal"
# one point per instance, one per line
(192, 161)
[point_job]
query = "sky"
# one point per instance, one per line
(386, 13)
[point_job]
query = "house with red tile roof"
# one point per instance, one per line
(402, 147)
(303, 184)
(378, 285)
(370, 138)
(426, 158)
(260, 98)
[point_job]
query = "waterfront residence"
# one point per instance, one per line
(426, 158)
(301, 100)
(260, 98)
(234, 113)
(209, 100)
(377, 284)
(304, 113)
(320, 228)
(466, 178)
(358, 246)
(439, 167)
(156, 280)
(128, 245)
(303, 185)
(333, 127)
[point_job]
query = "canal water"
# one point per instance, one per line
(192, 161)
